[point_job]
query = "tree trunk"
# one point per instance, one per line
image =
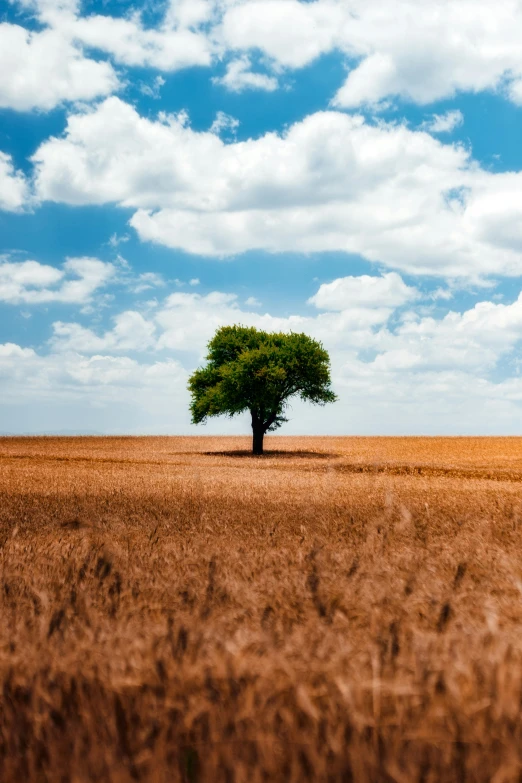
(257, 440)
(258, 433)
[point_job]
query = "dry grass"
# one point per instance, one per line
(345, 609)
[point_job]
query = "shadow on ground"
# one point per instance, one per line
(273, 454)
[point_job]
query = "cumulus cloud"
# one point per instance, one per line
(176, 42)
(289, 32)
(185, 322)
(40, 70)
(130, 43)
(27, 374)
(388, 373)
(356, 318)
(475, 339)
(239, 77)
(335, 183)
(389, 291)
(421, 52)
(131, 332)
(70, 392)
(462, 46)
(29, 282)
(190, 13)
(451, 47)
(49, 11)
(357, 321)
(11, 350)
(14, 189)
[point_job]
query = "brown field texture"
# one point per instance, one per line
(340, 609)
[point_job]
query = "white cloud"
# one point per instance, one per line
(369, 84)
(42, 69)
(461, 46)
(190, 13)
(130, 43)
(116, 240)
(177, 42)
(39, 70)
(30, 282)
(14, 189)
(131, 332)
(334, 183)
(110, 153)
(50, 11)
(290, 33)
(186, 321)
(153, 90)
(514, 90)
(252, 302)
(28, 375)
(239, 77)
(389, 291)
(425, 374)
(145, 281)
(441, 293)
(10, 350)
(443, 123)
(475, 339)
(69, 392)
(224, 122)
(422, 52)
(429, 375)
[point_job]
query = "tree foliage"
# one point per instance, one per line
(249, 369)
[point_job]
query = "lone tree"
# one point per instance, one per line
(249, 369)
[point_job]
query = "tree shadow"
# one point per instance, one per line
(270, 454)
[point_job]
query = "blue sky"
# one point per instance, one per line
(345, 168)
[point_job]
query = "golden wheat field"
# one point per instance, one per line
(340, 609)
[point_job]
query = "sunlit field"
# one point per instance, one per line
(340, 609)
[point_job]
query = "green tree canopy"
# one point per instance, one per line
(249, 369)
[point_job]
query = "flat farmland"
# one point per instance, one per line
(340, 609)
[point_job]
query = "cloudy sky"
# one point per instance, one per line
(347, 168)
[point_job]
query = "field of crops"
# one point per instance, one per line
(340, 609)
